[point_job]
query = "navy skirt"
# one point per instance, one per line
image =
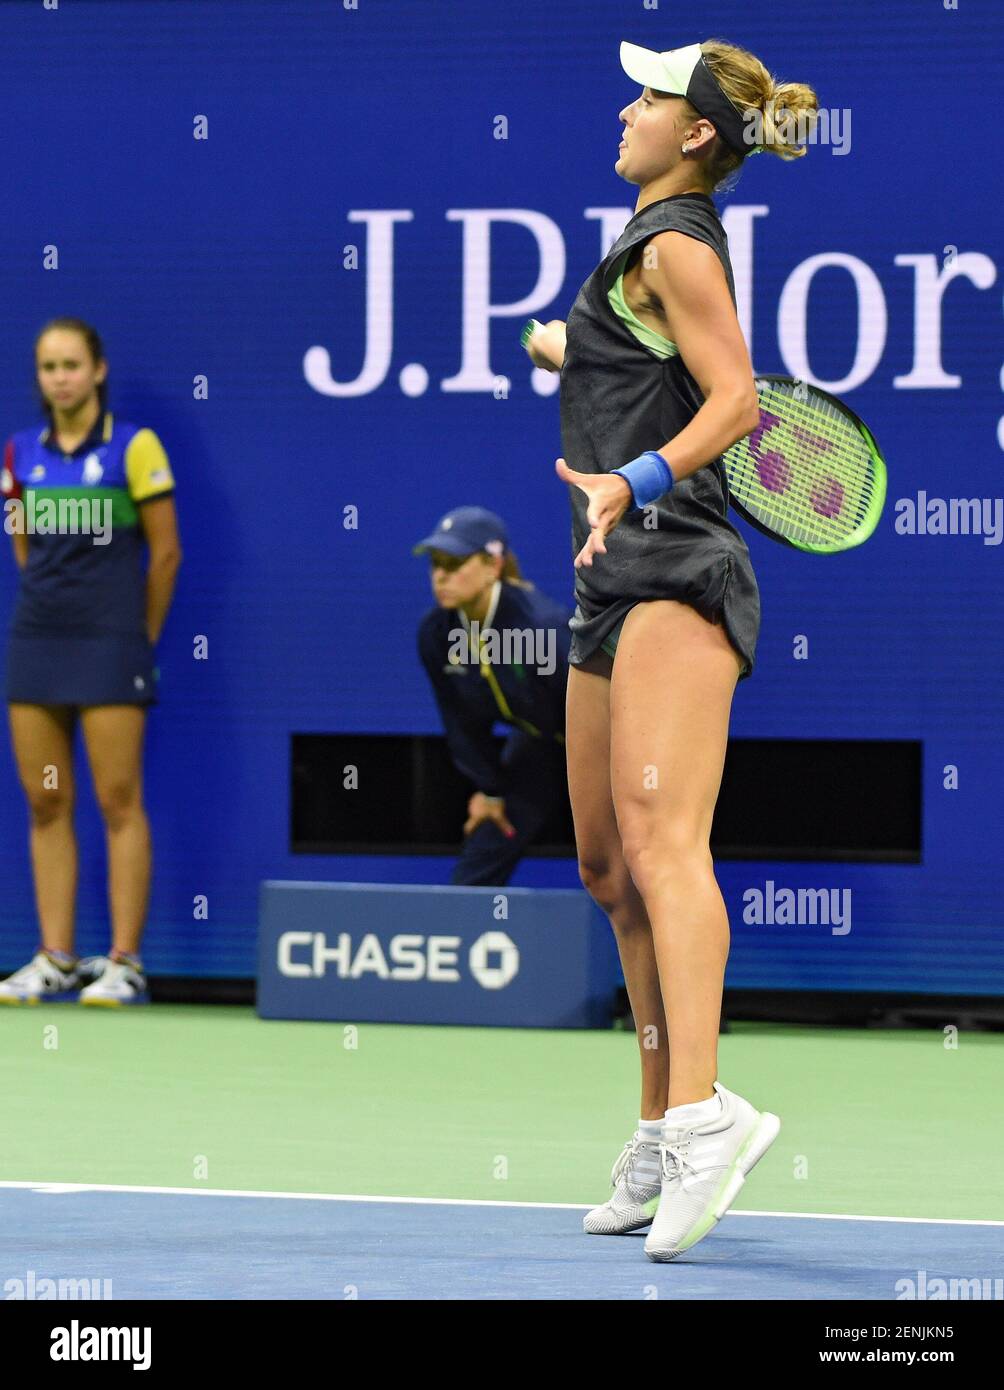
(113, 669)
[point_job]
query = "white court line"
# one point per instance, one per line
(59, 1188)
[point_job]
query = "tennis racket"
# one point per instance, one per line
(811, 474)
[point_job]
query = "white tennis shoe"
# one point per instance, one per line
(42, 980)
(118, 984)
(636, 1183)
(703, 1167)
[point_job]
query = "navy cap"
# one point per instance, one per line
(466, 530)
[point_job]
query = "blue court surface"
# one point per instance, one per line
(179, 1244)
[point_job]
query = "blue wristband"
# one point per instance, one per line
(648, 476)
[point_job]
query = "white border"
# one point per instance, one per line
(62, 1188)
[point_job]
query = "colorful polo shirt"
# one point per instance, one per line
(85, 573)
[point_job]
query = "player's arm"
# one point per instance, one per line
(690, 283)
(151, 487)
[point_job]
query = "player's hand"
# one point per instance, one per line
(546, 346)
(609, 498)
(481, 808)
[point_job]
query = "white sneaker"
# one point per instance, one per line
(703, 1168)
(42, 978)
(118, 984)
(636, 1185)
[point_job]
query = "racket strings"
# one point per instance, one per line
(805, 472)
(796, 462)
(816, 445)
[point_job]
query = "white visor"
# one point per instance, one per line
(663, 72)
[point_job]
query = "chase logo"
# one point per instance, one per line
(494, 944)
(493, 959)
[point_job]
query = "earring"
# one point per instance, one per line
(686, 148)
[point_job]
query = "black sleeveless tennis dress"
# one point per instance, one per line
(619, 399)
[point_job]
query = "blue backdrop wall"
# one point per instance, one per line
(204, 171)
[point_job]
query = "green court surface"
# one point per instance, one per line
(873, 1123)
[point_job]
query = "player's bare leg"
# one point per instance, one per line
(606, 878)
(636, 1175)
(671, 695)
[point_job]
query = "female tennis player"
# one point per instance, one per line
(82, 495)
(656, 383)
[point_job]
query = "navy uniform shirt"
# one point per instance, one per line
(619, 398)
(72, 585)
(517, 693)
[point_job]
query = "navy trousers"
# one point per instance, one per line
(537, 784)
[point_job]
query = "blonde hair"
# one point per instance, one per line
(750, 87)
(511, 572)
